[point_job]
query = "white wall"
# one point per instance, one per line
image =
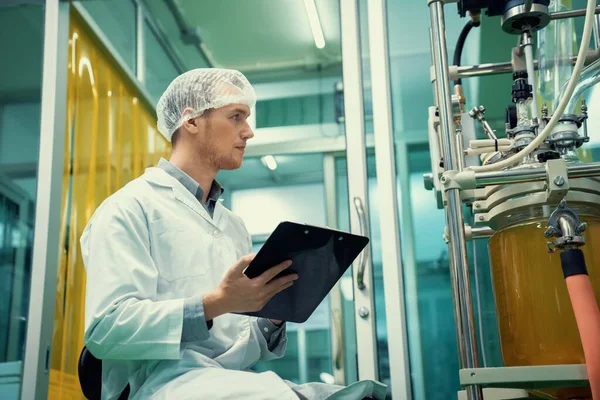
(263, 209)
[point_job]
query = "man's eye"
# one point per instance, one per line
(236, 117)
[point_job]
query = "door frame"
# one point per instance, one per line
(45, 257)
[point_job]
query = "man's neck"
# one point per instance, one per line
(198, 171)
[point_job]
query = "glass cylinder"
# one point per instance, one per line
(555, 49)
(535, 318)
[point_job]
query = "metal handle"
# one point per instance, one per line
(362, 265)
(338, 358)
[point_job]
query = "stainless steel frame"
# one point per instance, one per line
(393, 271)
(471, 71)
(48, 206)
(459, 267)
(335, 296)
(494, 178)
(542, 377)
(357, 184)
(473, 378)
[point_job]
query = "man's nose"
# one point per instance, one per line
(247, 133)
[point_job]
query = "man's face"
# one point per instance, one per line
(223, 136)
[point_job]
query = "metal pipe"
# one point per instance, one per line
(482, 232)
(529, 60)
(528, 4)
(570, 14)
(596, 28)
(472, 71)
(458, 143)
(459, 267)
(189, 34)
(483, 179)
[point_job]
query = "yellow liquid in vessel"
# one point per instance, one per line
(535, 318)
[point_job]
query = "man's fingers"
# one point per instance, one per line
(243, 262)
(279, 289)
(276, 284)
(282, 288)
(274, 271)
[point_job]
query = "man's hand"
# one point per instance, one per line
(238, 293)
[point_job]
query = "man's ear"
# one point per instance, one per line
(190, 124)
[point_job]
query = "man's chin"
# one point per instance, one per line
(232, 165)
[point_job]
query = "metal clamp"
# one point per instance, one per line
(557, 180)
(464, 180)
(565, 225)
(362, 265)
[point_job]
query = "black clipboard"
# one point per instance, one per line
(320, 256)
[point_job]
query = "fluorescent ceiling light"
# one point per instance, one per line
(315, 24)
(269, 162)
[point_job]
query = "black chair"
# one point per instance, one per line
(90, 376)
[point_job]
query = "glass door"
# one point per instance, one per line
(379, 302)
(20, 114)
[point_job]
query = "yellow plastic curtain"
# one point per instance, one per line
(111, 138)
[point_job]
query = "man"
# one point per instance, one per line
(165, 262)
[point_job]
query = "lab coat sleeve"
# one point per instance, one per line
(276, 346)
(122, 319)
(271, 332)
(195, 326)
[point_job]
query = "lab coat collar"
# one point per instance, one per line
(159, 177)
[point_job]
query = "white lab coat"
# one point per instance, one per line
(148, 247)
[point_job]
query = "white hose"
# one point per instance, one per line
(583, 50)
(484, 150)
(484, 143)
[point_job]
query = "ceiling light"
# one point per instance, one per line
(327, 378)
(315, 24)
(269, 162)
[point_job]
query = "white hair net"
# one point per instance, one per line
(195, 91)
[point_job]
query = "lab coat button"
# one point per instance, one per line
(217, 233)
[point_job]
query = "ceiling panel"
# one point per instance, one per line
(255, 36)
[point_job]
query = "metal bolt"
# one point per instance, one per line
(481, 217)
(562, 204)
(477, 205)
(582, 227)
(559, 181)
(550, 231)
(363, 312)
(444, 179)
